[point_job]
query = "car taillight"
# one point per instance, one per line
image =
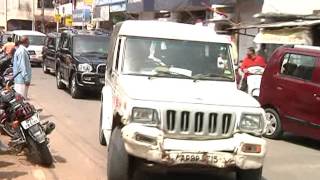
(19, 97)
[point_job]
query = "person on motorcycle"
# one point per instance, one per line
(8, 48)
(252, 59)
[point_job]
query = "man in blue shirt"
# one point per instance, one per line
(21, 63)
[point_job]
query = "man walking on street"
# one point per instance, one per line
(21, 64)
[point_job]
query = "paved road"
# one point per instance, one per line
(78, 155)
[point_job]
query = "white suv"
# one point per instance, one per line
(171, 101)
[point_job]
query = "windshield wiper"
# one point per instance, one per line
(210, 76)
(165, 71)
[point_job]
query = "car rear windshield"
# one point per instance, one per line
(37, 40)
(90, 45)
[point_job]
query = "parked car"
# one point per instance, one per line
(290, 92)
(81, 61)
(49, 52)
(4, 37)
(36, 39)
(168, 102)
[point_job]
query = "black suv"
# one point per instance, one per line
(49, 52)
(81, 61)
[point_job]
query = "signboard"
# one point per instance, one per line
(57, 17)
(68, 21)
(101, 13)
(88, 2)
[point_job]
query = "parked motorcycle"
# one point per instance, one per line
(21, 121)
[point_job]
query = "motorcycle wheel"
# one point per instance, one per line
(40, 152)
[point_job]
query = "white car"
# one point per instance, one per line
(37, 40)
(168, 103)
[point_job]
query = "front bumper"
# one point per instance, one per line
(91, 81)
(150, 144)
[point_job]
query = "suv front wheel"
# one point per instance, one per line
(119, 165)
(59, 82)
(74, 89)
(249, 174)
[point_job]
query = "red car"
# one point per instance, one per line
(290, 92)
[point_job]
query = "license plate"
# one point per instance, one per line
(195, 158)
(30, 122)
(33, 56)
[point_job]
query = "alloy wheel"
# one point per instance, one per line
(271, 124)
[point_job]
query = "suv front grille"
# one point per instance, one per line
(212, 124)
(101, 68)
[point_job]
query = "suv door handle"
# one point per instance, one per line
(280, 88)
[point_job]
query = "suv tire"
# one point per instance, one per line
(102, 139)
(119, 165)
(59, 82)
(74, 88)
(249, 174)
(44, 67)
(274, 127)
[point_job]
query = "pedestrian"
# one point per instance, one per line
(21, 64)
(8, 47)
(263, 52)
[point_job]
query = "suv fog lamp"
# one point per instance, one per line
(85, 67)
(146, 139)
(144, 115)
(251, 148)
(251, 123)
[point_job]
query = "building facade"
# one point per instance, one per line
(26, 14)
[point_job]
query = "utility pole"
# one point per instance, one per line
(33, 16)
(6, 14)
(42, 16)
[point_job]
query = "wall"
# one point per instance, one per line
(245, 10)
(21, 11)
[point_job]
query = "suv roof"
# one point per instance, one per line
(54, 34)
(84, 32)
(27, 32)
(170, 30)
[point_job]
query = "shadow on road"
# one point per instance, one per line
(11, 174)
(302, 141)
(5, 164)
(187, 176)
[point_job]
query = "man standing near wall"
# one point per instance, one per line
(21, 64)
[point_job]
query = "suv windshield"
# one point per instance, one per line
(178, 59)
(90, 45)
(37, 40)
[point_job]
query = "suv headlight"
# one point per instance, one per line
(145, 115)
(251, 123)
(84, 67)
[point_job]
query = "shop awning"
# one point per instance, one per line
(284, 36)
(279, 24)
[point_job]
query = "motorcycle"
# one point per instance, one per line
(254, 80)
(21, 122)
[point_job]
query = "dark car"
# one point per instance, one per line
(290, 92)
(81, 61)
(49, 52)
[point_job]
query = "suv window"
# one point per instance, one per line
(51, 42)
(300, 66)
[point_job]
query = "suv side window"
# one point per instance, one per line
(299, 66)
(117, 55)
(65, 43)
